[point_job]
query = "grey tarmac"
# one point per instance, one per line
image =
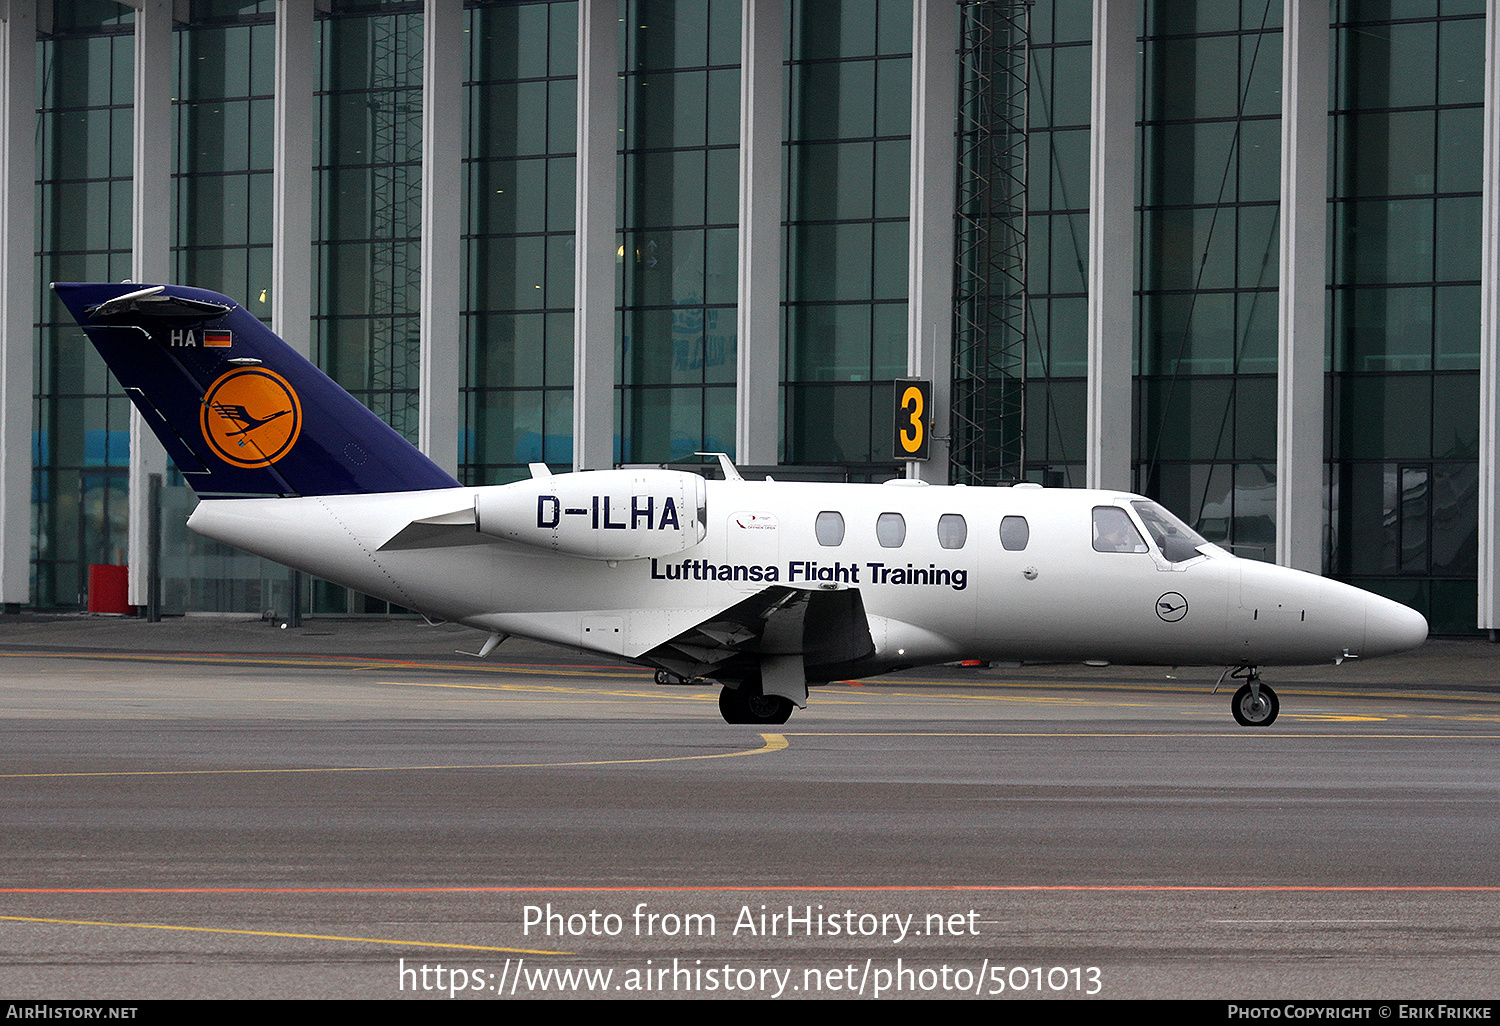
(207, 808)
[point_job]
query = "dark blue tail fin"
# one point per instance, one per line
(239, 411)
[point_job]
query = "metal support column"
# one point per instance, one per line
(594, 254)
(153, 549)
(1300, 508)
(444, 61)
(1489, 337)
(17, 292)
(291, 202)
(1111, 305)
(758, 319)
(929, 325)
(150, 244)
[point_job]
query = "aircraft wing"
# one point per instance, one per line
(826, 632)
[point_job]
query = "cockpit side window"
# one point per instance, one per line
(1178, 542)
(953, 531)
(890, 530)
(1114, 531)
(830, 528)
(1015, 533)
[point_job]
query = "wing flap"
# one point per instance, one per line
(826, 631)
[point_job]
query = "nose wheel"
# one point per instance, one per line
(1255, 705)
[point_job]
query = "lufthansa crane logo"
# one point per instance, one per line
(251, 417)
(1171, 607)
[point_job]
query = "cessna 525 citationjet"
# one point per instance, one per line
(763, 587)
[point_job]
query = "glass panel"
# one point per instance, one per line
(1176, 540)
(1456, 327)
(1114, 531)
(1389, 416)
(1455, 417)
(1386, 241)
(1413, 522)
(1460, 157)
(830, 424)
(830, 528)
(1015, 533)
(1387, 154)
(833, 342)
(1455, 521)
(1255, 421)
(952, 531)
(890, 530)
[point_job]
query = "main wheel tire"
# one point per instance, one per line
(1250, 712)
(767, 709)
(729, 705)
(738, 705)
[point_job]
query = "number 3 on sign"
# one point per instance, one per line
(913, 398)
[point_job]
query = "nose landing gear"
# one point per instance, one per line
(1254, 704)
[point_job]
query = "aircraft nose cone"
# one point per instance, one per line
(1391, 627)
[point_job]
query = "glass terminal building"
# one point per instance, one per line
(1254, 246)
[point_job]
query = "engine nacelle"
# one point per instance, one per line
(601, 514)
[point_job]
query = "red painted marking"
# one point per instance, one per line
(797, 888)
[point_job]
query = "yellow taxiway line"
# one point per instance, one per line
(773, 743)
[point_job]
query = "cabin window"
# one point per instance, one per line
(830, 528)
(1114, 531)
(890, 530)
(953, 531)
(1015, 532)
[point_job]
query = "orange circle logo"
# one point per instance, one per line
(251, 417)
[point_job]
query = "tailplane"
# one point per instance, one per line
(239, 411)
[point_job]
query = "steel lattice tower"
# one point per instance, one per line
(989, 291)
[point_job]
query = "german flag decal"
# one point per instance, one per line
(218, 339)
(251, 417)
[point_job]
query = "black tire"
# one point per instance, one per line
(729, 705)
(767, 709)
(1250, 713)
(738, 705)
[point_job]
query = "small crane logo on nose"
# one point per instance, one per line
(1171, 607)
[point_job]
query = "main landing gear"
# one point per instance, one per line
(744, 705)
(1254, 704)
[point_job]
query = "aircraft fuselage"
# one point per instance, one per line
(948, 587)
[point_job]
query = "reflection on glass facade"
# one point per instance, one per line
(1404, 389)
(1403, 260)
(81, 432)
(223, 115)
(1210, 195)
(519, 239)
(679, 190)
(224, 118)
(1058, 240)
(848, 168)
(367, 200)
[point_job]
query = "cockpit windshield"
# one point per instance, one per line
(1177, 541)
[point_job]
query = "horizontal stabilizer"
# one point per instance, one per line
(441, 531)
(155, 302)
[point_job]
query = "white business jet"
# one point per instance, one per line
(763, 587)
